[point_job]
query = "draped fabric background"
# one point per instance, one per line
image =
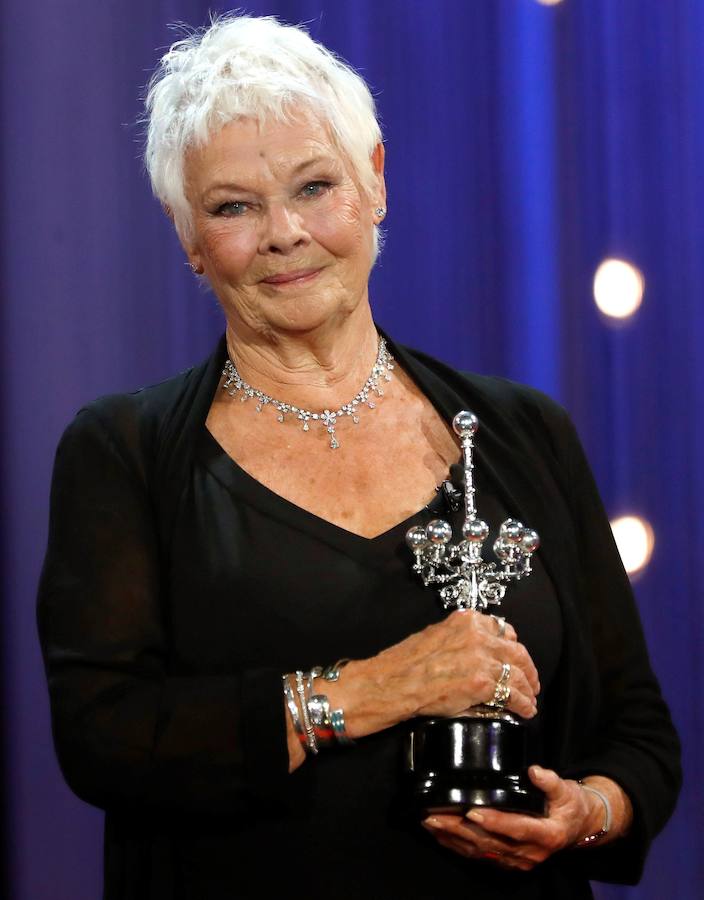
(524, 143)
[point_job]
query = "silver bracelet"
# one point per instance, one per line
(293, 709)
(307, 725)
(606, 827)
(332, 673)
(337, 721)
(319, 712)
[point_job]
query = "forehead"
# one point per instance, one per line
(246, 147)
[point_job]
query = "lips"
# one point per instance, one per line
(291, 277)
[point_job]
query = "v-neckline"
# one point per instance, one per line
(229, 472)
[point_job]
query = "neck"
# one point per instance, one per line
(316, 369)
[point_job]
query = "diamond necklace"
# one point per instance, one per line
(234, 384)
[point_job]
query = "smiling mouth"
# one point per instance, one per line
(291, 277)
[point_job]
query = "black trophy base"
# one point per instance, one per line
(476, 760)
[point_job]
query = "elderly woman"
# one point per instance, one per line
(218, 535)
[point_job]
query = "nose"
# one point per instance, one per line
(283, 230)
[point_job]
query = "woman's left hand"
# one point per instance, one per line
(516, 841)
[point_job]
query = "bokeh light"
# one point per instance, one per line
(635, 541)
(618, 288)
(548, 2)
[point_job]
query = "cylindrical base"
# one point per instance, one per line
(454, 764)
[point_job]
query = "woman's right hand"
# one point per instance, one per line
(455, 664)
(442, 670)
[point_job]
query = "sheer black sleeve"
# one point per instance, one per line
(127, 732)
(635, 742)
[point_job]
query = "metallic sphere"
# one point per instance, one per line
(439, 532)
(512, 530)
(465, 423)
(475, 531)
(416, 538)
(502, 548)
(530, 541)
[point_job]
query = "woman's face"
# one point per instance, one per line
(281, 227)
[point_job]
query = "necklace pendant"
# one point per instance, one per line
(235, 385)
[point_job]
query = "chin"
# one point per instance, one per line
(301, 314)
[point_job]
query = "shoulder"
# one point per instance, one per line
(505, 403)
(140, 425)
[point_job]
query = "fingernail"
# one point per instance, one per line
(431, 822)
(536, 770)
(475, 815)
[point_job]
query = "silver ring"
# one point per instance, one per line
(501, 622)
(502, 692)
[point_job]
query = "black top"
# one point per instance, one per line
(177, 589)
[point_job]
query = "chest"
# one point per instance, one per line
(385, 469)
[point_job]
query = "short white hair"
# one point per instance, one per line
(254, 67)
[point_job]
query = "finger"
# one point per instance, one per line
(464, 830)
(450, 842)
(548, 781)
(471, 839)
(521, 699)
(503, 629)
(518, 656)
(491, 857)
(512, 828)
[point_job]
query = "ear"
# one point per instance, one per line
(192, 252)
(377, 158)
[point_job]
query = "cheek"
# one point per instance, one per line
(229, 251)
(340, 229)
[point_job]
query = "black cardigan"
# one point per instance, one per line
(131, 735)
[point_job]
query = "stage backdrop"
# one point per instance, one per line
(525, 143)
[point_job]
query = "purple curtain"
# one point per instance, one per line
(525, 143)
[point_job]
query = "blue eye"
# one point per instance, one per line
(232, 208)
(315, 188)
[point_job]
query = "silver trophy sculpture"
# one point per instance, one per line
(479, 758)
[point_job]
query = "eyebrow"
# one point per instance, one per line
(297, 170)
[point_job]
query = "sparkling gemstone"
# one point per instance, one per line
(258, 407)
(331, 429)
(355, 419)
(280, 417)
(333, 443)
(371, 404)
(306, 426)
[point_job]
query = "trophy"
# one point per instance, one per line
(479, 757)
